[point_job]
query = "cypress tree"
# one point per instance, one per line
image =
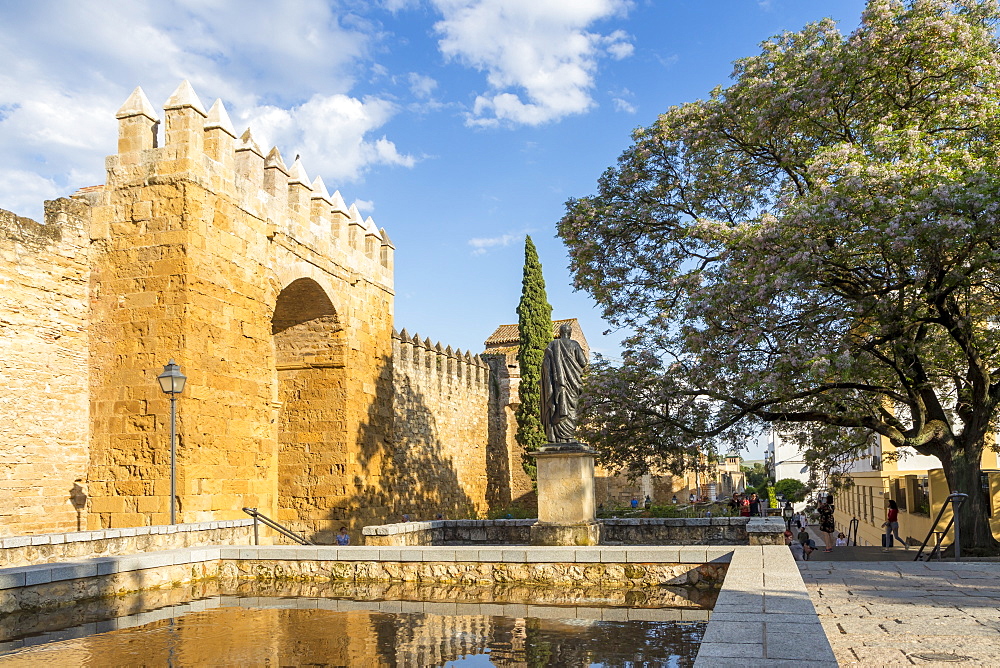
(534, 326)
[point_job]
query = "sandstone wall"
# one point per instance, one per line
(440, 418)
(44, 276)
(276, 301)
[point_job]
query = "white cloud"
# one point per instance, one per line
(329, 132)
(621, 101)
(623, 105)
(365, 205)
(421, 86)
(480, 245)
(538, 56)
(69, 65)
(26, 191)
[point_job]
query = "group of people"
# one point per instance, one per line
(802, 544)
(748, 505)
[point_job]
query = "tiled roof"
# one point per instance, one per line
(509, 333)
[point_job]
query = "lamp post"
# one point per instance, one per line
(172, 383)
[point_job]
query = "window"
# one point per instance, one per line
(984, 487)
(921, 500)
(899, 492)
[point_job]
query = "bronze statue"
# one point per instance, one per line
(562, 372)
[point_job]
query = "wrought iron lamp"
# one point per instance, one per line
(172, 383)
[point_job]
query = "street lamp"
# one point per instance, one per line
(172, 383)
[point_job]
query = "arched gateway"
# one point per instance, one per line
(231, 262)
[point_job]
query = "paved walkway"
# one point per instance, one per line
(908, 613)
(863, 553)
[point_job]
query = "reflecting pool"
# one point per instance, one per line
(337, 624)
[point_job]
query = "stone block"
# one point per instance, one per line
(358, 554)
(73, 571)
(689, 555)
(710, 654)
(653, 555)
(11, 578)
(613, 555)
(747, 631)
(34, 575)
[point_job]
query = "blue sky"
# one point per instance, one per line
(458, 125)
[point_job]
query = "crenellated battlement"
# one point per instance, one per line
(203, 147)
(432, 361)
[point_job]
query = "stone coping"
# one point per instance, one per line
(764, 611)
(105, 534)
(409, 527)
(759, 523)
(23, 576)
(763, 524)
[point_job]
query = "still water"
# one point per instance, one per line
(437, 626)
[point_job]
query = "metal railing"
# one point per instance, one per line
(284, 531)
(852, 528)
(957, 499)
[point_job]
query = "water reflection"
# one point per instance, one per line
(283, 637)
(372, 625)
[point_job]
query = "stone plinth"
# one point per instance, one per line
(566, 509)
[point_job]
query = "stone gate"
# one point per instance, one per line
(275, 298)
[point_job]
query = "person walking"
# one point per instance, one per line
(827, 525)
(754, 505)
(891, 525)
(744, 507)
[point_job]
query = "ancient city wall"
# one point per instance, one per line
(276, 300)
(44, 276)
(214, 254)
(440, 405)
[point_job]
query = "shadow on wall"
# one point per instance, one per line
(401, 467)
(498, 456)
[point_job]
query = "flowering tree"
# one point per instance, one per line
(817, 246)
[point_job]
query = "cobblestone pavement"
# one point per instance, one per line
(908, 613)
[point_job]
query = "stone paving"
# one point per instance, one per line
(764, 616)
(908, 613)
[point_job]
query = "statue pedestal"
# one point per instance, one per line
(566, 511)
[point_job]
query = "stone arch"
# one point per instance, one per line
(310, 357)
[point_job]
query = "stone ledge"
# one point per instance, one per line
(17, 551)
(20, 576)
(104, 534)
(777, 623)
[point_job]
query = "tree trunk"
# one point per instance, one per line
(963, 474)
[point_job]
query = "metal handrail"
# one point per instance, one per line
(957, 499)
(287, 533)
(852, 526)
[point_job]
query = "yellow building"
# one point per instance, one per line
(918, 486)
